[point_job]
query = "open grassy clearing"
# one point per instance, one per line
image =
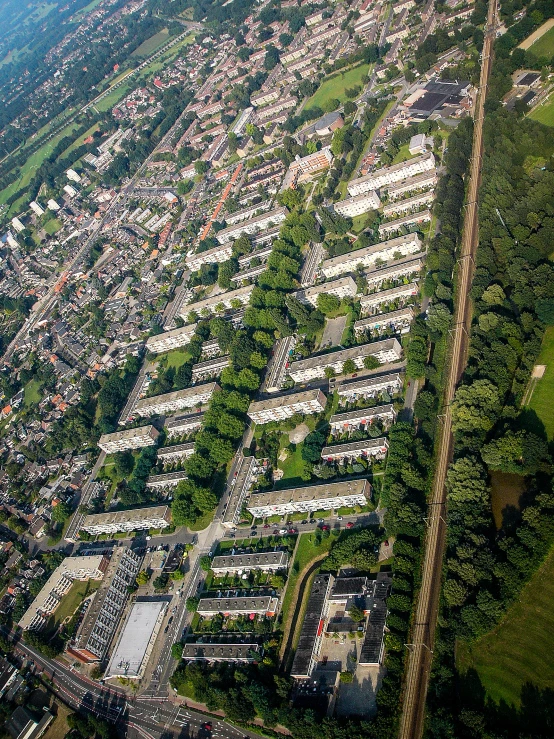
(32, 393)
(403, 154)
(175, 358)
(541, 400)
(544, 46)
(80, 140)
(52, 226)
(72, 599)
(334, 87)
(112, 98)
(544, 113)
(152, 44)
(517, 651)
(78, 17)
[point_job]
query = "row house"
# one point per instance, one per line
(350, 391)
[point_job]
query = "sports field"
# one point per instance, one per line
(152, 44)
(519, 650)
(333, 87)
(544, 46)
(543, 394)
(544, 113)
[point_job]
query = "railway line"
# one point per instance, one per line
(423, 630)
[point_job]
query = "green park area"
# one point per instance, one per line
(112, 98)
(175, 358)
(517, 651)
(544, 113)
(32, 392)
(152, 44)
(544, 46)
(541, 399)
(333, 87)
(52, 226)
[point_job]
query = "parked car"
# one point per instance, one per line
(350, 525)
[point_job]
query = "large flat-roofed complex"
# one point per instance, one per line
(373, 645)
(264, 561)
(72, 568)
(340, 288)
(388, 175)
(120, 441)
(157, 517)
(136, 641)
(222, 652)
(311, 498)
(173, 339)
(369, 255)
(388, 350)
(183, 424)
(103, 615)
(395, 320)
(284, 406)
(369, 303)
(213, 303)
(259, 223)
(358, 204)
(354, 449)
(311, 635)
(237, 605)
(361, 417)
(278, 364)
(176, 401)
(369, 387)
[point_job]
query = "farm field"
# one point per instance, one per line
(515, 652)
(541, 400)
(544, 113)
(152, 44)
(333, 87)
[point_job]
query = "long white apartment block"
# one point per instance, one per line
(341, 288)
(283, 406)
(358, 418)
(397, 320)
(388, 175)
(311, 264)
(369, 387)
(414, 219)
(166, 480)
(245, 214)
(157, 517)
(399, 207)
(262, 254)
(250, 273)
(183, 424)
(279, 363)
(212, 304)
(210, 368)
(261, 604)
(176, 401)
(369, 303)
(358, 204)
(259, 223)
(400, 268)
(175, 453)
(355, 449)
(412, 184)
(262, 561)
(210, 256)
(308, 499)
(369, 255)
(388, 350)
(121, 441)
(173, 339)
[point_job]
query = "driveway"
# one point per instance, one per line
(332, 333)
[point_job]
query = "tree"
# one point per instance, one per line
(205, 562)
(371, 362)
(348, 367)
(475, 407)
(143, 577)
(201, 167)
(327, 303)
(61, 512)
(356, 614)
(439, 318)
(346, 677)
(124, 463)
(177, 651)
(192, 604)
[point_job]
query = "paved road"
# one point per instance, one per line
(423, 632)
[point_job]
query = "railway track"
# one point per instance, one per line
(423, 630)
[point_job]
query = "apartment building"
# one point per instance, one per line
(245, 214)
(121, 441)
(102, 618)
(388, 350)
(166, 481)
(258, 223)
(355, 449)
(249, 274)
(311, 264)
(350, 391)
(304, 167)
(279, 364)
(265, 96)
(312, 634)
(248, 470)
(396, 320)
(239, 605)
(361, 418)
(413, 219)
(412, 184)
(169, 340)
(160, 405)
(261, 254)
(137, 519)
(399, 207)
(57, 585)
(170, 454)
(211, 349)
(239, 563)
(209, 368)
(341, 288)
(389, 175)
(285, 406)
(324, 497)
(181, 425)
(211, 256)
(222, 651)
(400, 268)
(368, 256)
(216, 302)
(358, 204)
(370, 303)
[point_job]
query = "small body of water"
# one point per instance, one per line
(506, 490)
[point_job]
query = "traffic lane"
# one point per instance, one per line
(366, 519)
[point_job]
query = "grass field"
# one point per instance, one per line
(32, 393)
(73, 598)
(544, 113)
(78, 17)
(517, 651)
(52, 226)
(541, 400)
(152, 44)
(79, 141)
(176, 357)
(544, 46)
(403, 154)
(112, 98)
(334, 86)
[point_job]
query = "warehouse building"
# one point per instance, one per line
(120, 441)
(359, 418)
(159, 405)
(285, 406)
(311, 635)
(239, 563)
(353, 450)
(402, 246)
(222, 652)
(157, 517)
(312, 498)
(341, 288)
(395, 320)
(373, 646)
(265, 605)
(370, 303)
(389, 175)
(169, 340)
(350, 391)
(358, 204)
(388, 350)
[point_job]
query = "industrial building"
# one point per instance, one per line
(388, 175)
(156, 517)
(169, 340)
(312, 498)
(239, 563)
(369, 386)
(285, 406)
(402, 246)
(136, 641)
(341, 288)
(121, 441)
(176, 401)
(237, 605)
(373, 646)
(388, 350)
(355, 449)
(357, 418)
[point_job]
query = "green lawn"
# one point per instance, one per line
(292, 467)
(543, 396)
(334, 86)
(519, 650)
(79, 141)
(544, 46)
(203, 522)
(176, 357)
(151, 44)
(544, 113)
(73, 598)
(403, 154)
(52, 226)
(112, 98)
(78, 17)
(33, 394)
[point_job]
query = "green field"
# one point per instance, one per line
(541, 400)
(544, 46)
(152, 44)
(517, 651)
(403, 154)
(175, 358)
(334, 86)
(33, 394)
(72, 599)
(544, 113)
(79, 141)
(52, 226)
(78, 17)
(112, 98)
